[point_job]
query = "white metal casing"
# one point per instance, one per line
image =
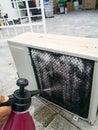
(80, 47)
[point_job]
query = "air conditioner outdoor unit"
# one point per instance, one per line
(66, 65)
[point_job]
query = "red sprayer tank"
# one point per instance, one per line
(20, 118)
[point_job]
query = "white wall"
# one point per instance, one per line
(7, 8)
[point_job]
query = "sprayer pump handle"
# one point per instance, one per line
(22, 83)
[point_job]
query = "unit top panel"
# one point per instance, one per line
(75, 46)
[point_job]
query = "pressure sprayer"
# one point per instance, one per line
(20, 101)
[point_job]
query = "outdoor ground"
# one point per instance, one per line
(77, 23)
(46, 115)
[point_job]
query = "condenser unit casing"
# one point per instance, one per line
(68, 66)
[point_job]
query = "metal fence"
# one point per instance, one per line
(21, 16)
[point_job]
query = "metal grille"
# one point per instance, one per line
(68, 77)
